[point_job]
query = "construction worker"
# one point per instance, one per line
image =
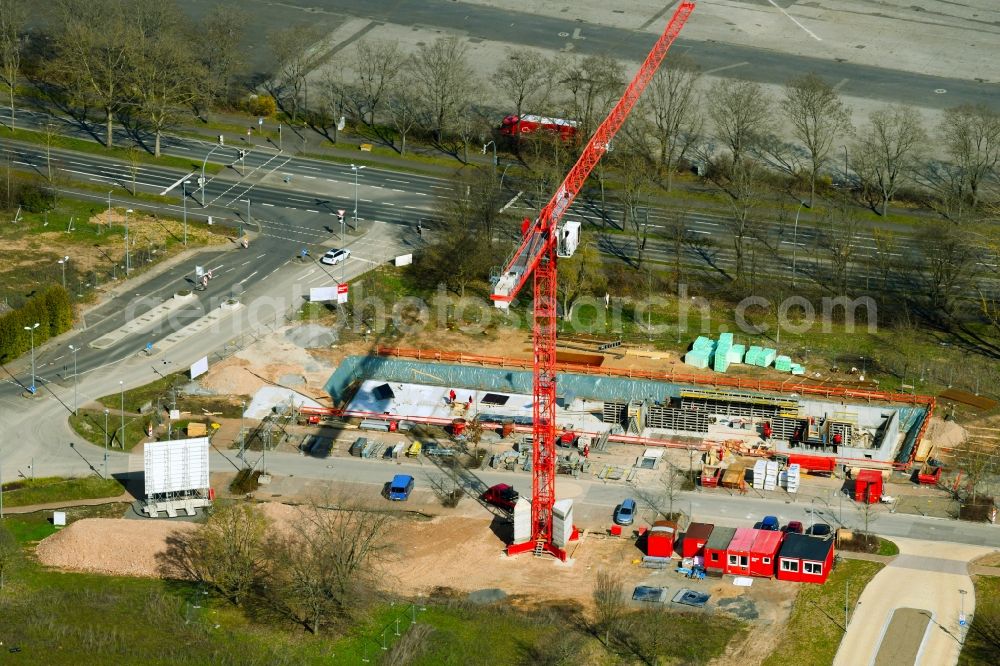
(452, 396)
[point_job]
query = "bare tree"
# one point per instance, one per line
(818, 116)
(404, 114)
(443, 80)
(840, 238)
(227, 552)
(222, 31)
(680, 236)
(947, 262)
(94, 54)
(979, 463)
(377, 64)
(580, 274)
(334, 93)
(671, 107)
(525, 78)
(743, 184)
(609, 602)
(971, 134)
(869, 513)
(164, 74)
(634, 176)
(594, 84)
(741, 112)
(291, 48)
(888, 149)
(13, 16)
(886, 248)
(327, 566)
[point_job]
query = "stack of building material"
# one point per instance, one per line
(722, 349)
(767, 356)
(736, 353)
(701, 352)
(783, 363)
(770, 475)
(798, 369)
(792, 478)
(753, 355)
(759, 474)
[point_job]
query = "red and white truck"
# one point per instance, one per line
(514, 125)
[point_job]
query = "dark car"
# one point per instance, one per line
(819, 530)
(625, 513)
(501, 495)
(793, 526)
(770, 523)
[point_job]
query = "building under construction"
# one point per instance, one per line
(668, 409)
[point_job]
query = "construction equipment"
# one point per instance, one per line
(545, 239)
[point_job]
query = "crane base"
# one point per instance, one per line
(538, 548)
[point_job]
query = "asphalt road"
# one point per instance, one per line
(522, 28)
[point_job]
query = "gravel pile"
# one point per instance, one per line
(110, 546)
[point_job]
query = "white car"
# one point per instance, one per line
(333, 257)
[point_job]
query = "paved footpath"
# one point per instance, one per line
(926, 575)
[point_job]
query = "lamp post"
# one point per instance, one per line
(62, 262)
(356, 169)
(487, 145)
(185, 199)
(121, 385)
(127, 262)
(75, 402)
(202, 181)
(106, 412)
(31, 331)
(961, 614)
(243, 439)
(795, 239)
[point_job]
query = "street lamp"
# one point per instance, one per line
(62, 262)
(106, 412)
(31, 330)
(356, 169)
(243, 440)
(795, 238)
(487, 145)
(185, 199)
(121, 385)
(127, 263)
(75, 402)
(202, 181)
(961, 615)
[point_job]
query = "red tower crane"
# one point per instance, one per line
(544, 240)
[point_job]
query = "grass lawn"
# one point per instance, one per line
(982, 642)
(886, 547)
(29, 528)
(135, 398)
(58, 489)
(816, 626)
(89, 424)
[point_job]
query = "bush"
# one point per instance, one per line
(262, 105)
(35, 198)
(51, 309)
(246, 481)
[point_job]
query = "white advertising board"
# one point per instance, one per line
(199, 367)
(176, 465)
(404, 260)
(319, 294)
(562, 522)
(522, 520)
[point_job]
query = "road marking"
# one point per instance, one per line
(423, 194)
(297, 199)
(311, 168)
(330, 180)
(512, 201)
(248, 277)
(388, 204)
(840, 84)
(440, 187)
(267, 204)
(309, 177)
(724, 68)
(261, 256)
(246, 262)
(410, 207)
(395, 190)
(393, 180)
(365, 200)
(789, 17)
(310, 210)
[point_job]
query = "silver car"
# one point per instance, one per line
(333, 257)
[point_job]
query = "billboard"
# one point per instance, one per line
(199, 367)
(319, 294)
(176, 465)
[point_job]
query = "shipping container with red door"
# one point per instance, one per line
(715, 549)
(695, 539)
(738, 552)
(764, 552)
(868, 486)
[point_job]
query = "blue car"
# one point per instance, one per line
(401, 487)
(770, 523)
(625, 513)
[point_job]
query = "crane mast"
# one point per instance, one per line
(544, 240)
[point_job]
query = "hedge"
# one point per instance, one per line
(50, 309)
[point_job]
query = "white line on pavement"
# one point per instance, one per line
(248, 277)
(267, 204)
